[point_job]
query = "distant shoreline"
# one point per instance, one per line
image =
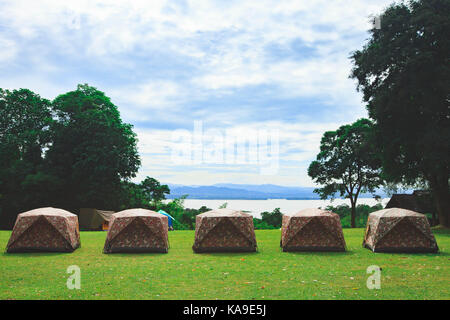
(229, 191)
(256, 206)
(230, 198)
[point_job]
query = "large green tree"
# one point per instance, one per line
(347, 164)
(25, 119)
(404, 74)
(92, 150)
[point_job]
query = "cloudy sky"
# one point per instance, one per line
(179, 70)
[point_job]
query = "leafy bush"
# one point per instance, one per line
(362, 212)
(260, 224)
(184, 217)
(269, 220)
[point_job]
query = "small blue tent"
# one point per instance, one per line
(171, 219)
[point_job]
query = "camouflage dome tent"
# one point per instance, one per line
(224, 230)
(420, 201)
(93, 219)
(399, 230)
(45, 229)
(137, 230)
(312, 230)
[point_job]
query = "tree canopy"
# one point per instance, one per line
(147, 194)
(92, 149)
(25, 119)
(72, 152)
(403, 73)
(154, 190)
(273, 218)
(347, 163)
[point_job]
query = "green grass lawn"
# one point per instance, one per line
(267, 274)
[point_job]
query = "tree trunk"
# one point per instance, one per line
(353, 225)
(433, 218)
(443, 206)
(441, 195)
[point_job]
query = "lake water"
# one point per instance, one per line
(255, 207)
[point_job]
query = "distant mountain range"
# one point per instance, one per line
(228, 191)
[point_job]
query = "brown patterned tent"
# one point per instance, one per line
(45, 229)
(399, 230)
(137, 230)
(224, 230)
(312, 230)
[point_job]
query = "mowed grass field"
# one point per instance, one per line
(267, 274)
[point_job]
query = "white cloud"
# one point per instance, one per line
(173, 62)
(8, 50)
(227, 42)
(155, 94)
(299, 144)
